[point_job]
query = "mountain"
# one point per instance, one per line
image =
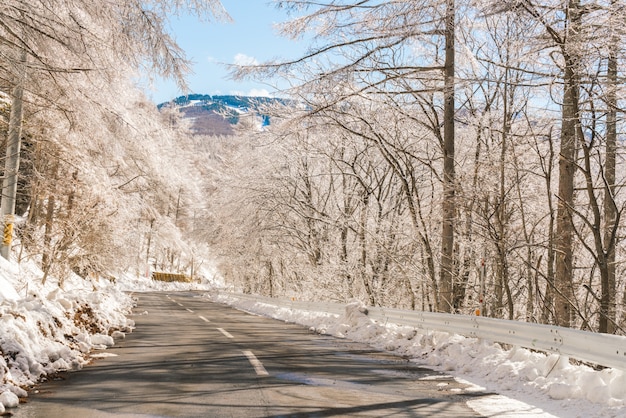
(217, 115)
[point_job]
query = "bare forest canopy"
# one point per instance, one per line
(455, 156)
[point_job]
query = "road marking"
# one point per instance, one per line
(189, 310)
(258, 366)
(203, 318)
(179, 304)
(226, 333)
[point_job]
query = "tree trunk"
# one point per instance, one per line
(610, 210)
(547, 310)
(567, 167)
(446, 273)
(344, 233)
(270, 278)
(363, 248)
(47, 255)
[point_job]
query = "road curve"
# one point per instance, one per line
(189, 358)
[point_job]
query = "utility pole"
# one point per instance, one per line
(11, 167)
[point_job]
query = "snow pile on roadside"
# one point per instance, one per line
(45, 329)
(548, 381)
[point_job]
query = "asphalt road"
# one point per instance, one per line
(189, 357)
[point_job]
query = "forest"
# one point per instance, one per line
(453, 156)
(105, 182)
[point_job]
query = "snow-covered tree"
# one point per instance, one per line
(98, 153)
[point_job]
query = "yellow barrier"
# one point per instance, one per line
(170, 277)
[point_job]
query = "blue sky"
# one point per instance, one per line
(209, 45)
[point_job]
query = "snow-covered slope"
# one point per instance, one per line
(217, 115)
(45, 329)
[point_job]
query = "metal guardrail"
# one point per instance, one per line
(602, 349)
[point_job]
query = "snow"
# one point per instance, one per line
(45, 329)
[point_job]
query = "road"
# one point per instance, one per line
(189, 357)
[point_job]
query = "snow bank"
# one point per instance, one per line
(7, 271)
(45, 329)
(549, 382)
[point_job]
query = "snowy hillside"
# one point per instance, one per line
(217, 115)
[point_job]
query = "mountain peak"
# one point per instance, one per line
(217, 114)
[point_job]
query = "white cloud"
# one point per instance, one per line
(243, 59)
(259, 93)
(251, 93)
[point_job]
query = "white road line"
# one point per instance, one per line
(189, 310)
(226, 333)
(258, 366)
(179, 304)
(203, 318)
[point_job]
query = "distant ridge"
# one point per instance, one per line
(217, 115)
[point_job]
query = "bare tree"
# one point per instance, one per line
(374, 62)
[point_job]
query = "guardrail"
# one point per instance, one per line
(170, 277)
(602, 349)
